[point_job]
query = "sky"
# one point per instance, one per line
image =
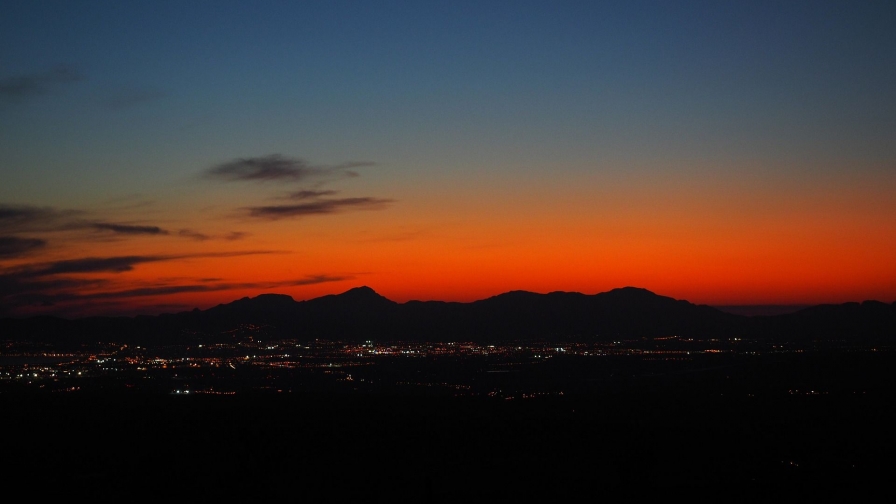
(159, 156)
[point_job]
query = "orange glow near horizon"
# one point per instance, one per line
(705, 241)
(446, 152)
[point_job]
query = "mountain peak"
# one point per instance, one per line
(274, 297)
(632, 295)
(632, 290)
(361, 294)
(262, 300)
(362, 290)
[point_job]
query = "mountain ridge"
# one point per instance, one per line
(361, 313)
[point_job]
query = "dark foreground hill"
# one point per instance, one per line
(446, 450)
(361, 314)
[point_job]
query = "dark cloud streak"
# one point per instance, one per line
(65, 294)
(19, 218)
(206, 287)
(13, 246)
(115, 264)
(273, 167)
(303, 195)
(21, 87)
(128, 229)
(46, 284)
(22, 218)
(235, 235)
(196, 235)
(277, 167)
(16, 291)
(322, 207)
(91, 265)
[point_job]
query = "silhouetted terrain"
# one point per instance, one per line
(638, 439)
(361, 314)
(622, 391)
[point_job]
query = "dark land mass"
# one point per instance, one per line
(361, 314)
(560, 396)
(683, 432)
(761, 310)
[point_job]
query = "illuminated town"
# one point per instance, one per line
(519, 370)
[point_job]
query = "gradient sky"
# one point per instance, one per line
(160, 156)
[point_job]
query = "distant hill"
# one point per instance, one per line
(362, 314)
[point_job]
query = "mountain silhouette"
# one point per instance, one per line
(362, 314)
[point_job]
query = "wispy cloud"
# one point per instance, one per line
(162, 290)
(118, 264)
(303, 195)
(196, 235)
(31, 219)
(79, 296)
(277, 167)
(21, 87)
(91, 265)
(16, 291)
(9, 213)
(276, 212)
(128, 229)
(51, 282)
(235, 235)
(115, 264)
(24, 218)
(13, 246)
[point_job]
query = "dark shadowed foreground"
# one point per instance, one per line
(621, 392)
(694, 431)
